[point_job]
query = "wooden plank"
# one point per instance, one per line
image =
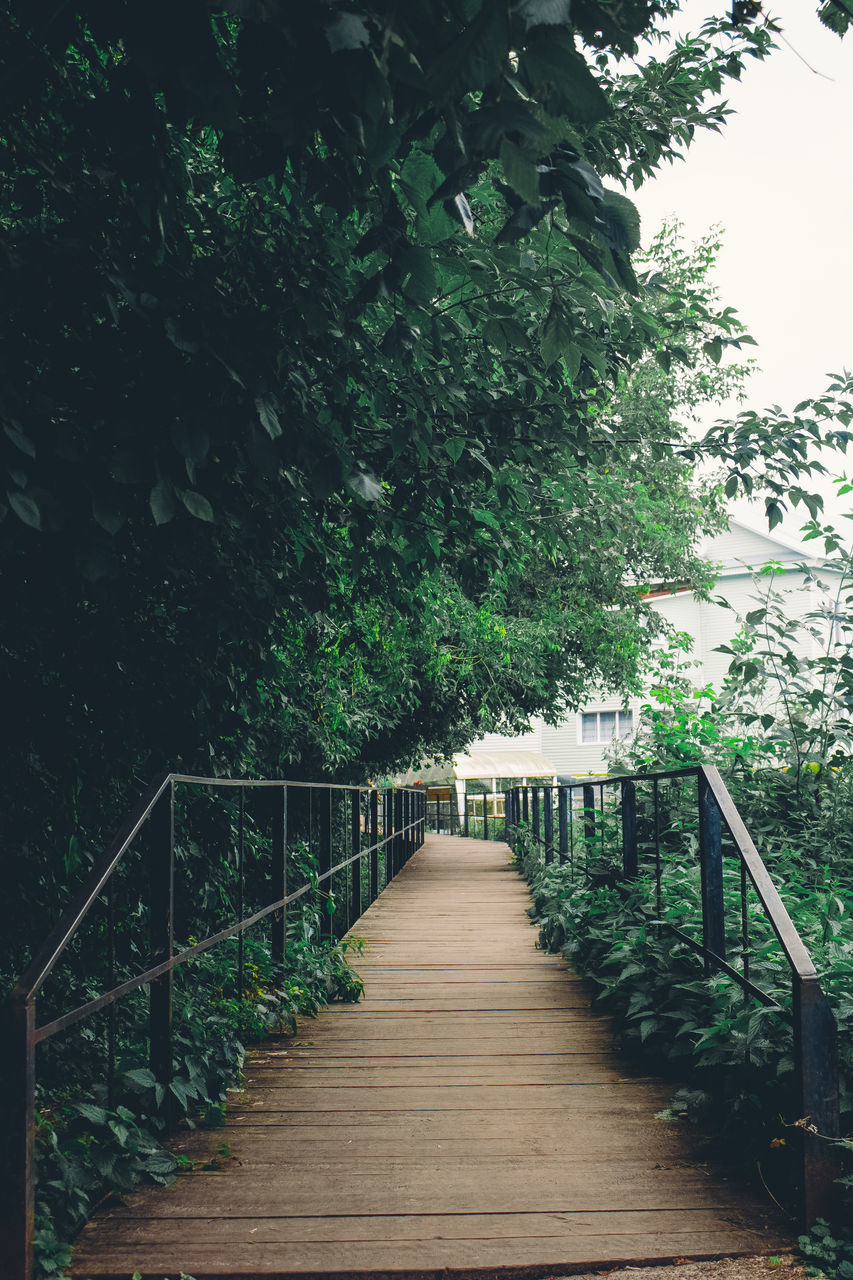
(485, 1185)
(469, 1117)
(129, 1230)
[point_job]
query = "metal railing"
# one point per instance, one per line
(443, 817)
(578, 824)
(378, 831)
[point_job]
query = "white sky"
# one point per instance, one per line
(779, 180)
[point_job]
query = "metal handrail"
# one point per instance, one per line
(815, 1034)
(404, 828)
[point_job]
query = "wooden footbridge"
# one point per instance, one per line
(471, 1116)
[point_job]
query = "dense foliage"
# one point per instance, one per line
(336, 416)
(102, 1115)
(779, 730)
(316, 327)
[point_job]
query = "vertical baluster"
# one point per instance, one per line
(241, 888)
(465, 811)
(534, 797)
(816, 1061)
(548, 802)
(744, 925)
(588, 793)
(658, 885)
(112, 1010)
(374, 845)
(407, 816)
(711, 858)
(571, 833)
(340, 802)
(562, 824)
(397, 840)
(279, 871)
(603, 823)
(324, 841)
(630, 861)
(162, 865)
(17, 1154)
(387, 822)
(485, 817)
(355, 801)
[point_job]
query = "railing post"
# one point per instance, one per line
(563, 823)
(388, 832)
(588, 812)
(630, 862)
(485, 817)
(374, 842)
(547, 799)
(407, 826)
(714, 931)
(534, 796)
(324, 860)
(816, 1058)
(397, 841)
(711, 860)
(525, 805)
(17, 1157)
(162, 865)
(465, 812)
(279, 869)
(355, 801)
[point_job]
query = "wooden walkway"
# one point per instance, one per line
(470, 1117)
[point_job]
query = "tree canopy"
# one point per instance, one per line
(323, 422)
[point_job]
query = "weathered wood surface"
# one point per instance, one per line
(469, 1117)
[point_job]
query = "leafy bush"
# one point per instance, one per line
(105, 1139)
(735, 1054)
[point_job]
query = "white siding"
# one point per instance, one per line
(531, 741)
(709, 624)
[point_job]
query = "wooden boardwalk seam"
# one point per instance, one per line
(470, 1117)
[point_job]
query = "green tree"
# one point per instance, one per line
(315, 326)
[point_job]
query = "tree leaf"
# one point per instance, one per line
(267, 407)
(520, 171)
(108, 515)
(536, 13)
(196, 504)
(365, 485)
(557, 333)
(19, 440)
(559, 75)
(455, 447)
(619, 222)
(25, 508)
(460, 210)
(473, 57)
(347, 31)
(162, 502)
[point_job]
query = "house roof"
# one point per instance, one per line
(741, 549)
(484, 764)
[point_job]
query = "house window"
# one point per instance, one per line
(603, 726)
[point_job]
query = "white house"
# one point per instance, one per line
(578, 745)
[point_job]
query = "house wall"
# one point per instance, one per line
(738, 553)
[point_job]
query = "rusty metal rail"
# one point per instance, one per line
(380, 829)
(540, 809)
